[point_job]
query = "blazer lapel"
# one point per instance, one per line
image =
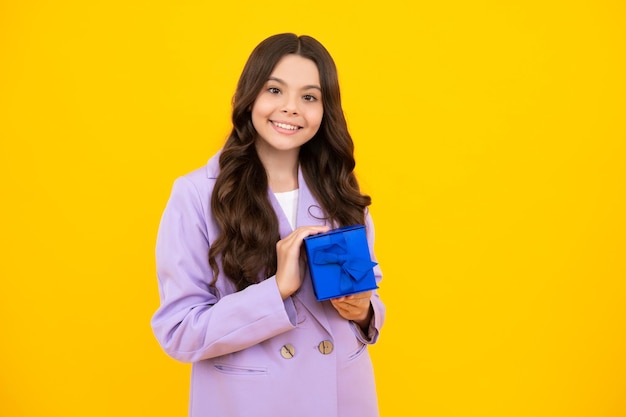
(309, 213)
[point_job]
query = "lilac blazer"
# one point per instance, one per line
(254, 354)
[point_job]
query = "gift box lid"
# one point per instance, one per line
(335, 231)
(345, 267)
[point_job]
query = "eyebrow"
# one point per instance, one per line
(306, 87)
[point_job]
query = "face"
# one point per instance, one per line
(288, 111)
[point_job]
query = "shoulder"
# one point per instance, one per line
(205, 172)
(204, 176)
(197, 185)
(190, 197)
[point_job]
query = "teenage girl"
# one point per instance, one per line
(236, 297)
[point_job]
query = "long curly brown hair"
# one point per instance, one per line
(240, 201)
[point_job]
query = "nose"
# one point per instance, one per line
(290, 105)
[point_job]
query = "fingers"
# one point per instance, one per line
(288, 249)
(355, 299)
(297, 236)
(288, 276)
(353, 307)
(351, 304)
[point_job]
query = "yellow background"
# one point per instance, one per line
(491, 135)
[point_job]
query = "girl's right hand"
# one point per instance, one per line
(288, 275)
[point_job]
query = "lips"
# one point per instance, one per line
(286, 126)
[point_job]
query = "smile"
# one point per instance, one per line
(286, 126)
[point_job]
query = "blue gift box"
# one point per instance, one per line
(339, 262)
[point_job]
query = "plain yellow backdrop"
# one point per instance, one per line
(491, 136)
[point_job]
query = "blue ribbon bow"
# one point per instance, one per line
(352, 268)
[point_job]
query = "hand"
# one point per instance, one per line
(288, 276)
(355, 307)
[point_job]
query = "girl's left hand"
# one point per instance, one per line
(355, 307)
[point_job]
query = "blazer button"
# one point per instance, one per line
(287, 351)
(325, 347)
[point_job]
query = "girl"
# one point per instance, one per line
(236, 297)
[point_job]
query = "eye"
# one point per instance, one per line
(273, 90)
(309, 97)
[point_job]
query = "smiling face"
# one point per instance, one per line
(288, 111)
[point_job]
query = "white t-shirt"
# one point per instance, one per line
(289, 203)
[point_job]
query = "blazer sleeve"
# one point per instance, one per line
(192, 323)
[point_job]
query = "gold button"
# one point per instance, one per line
(325, 347)
(287, 351)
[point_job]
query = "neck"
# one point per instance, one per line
(281, 168)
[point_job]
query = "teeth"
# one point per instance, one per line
(284, 126)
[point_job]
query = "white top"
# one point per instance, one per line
(289, 203)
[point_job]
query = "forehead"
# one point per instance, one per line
(297, 71)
